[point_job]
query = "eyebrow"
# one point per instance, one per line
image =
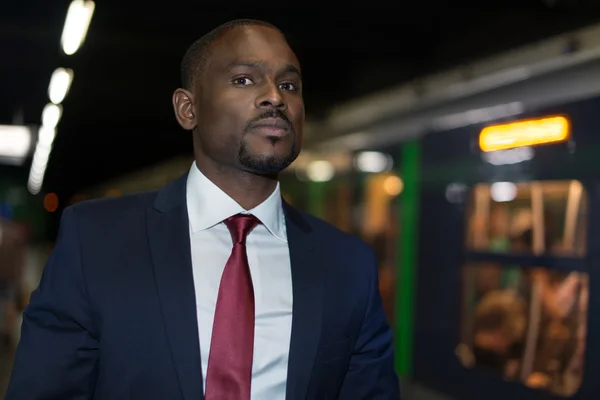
(290, 68)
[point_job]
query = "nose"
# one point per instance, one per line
(271, 98)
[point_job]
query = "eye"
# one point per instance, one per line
(289, 87)
(242, 81)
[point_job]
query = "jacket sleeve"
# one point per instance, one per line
(371, 374)
(58, 352)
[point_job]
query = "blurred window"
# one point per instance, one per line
(522, 319)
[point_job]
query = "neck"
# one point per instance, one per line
(247, 189)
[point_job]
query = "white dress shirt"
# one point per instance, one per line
(269, 261)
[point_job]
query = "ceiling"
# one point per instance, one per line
(118, 116)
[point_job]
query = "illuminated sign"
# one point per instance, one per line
(524, 133)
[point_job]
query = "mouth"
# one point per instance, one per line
(272, 127)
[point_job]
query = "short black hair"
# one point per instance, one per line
(197, 54)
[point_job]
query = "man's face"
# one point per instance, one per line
(248, 102)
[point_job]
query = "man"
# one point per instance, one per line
(212, 287)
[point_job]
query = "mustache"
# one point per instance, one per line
(266, 115)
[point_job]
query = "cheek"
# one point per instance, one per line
(221, 123)
(297, 108)
(215, 118)
(232, 113)
(297, 114)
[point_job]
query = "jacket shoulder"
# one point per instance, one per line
(113, 208)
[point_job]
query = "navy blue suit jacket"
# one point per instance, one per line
(114, 316)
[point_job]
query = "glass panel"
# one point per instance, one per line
(525, 324)
(379, 228)
(544, 217)
(338, 204)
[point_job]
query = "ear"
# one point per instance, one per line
(183, 104)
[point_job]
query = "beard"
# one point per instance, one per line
(261, 163)
(265, 164)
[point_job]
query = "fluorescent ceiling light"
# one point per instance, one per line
(320, 171)
(373, 161)
(15, 141)
(60, 82)
(76, 25)
(51, 115)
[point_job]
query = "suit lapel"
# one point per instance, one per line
(307, 289)
(168, 234)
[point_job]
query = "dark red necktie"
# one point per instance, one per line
(230, 360)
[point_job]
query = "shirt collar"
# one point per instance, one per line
(208, 206)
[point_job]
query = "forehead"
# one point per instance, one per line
(253, 44)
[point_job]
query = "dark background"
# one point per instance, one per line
(118, 116)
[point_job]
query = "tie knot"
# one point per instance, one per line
(240, 226)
